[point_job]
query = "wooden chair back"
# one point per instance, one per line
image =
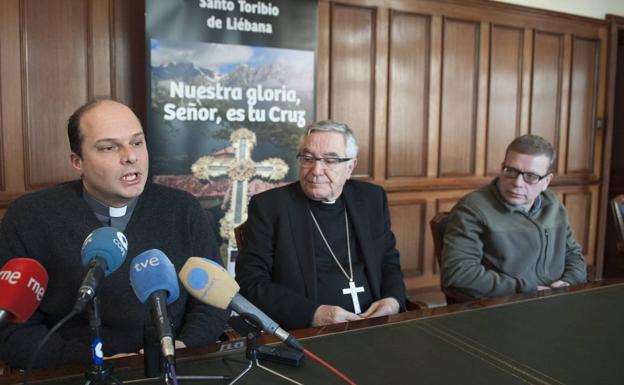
(438, 228)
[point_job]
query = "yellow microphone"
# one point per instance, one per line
(211, 284)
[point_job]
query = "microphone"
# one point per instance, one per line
(103, 251)
(211, 284)
(153, 278)
(23, 282)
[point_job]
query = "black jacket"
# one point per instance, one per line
(276, 268)
(50, 226)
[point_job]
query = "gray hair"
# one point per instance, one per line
(351, 147)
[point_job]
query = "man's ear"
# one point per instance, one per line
(351, 166)
(547, 181)
(76, 162)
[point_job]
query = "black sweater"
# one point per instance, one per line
(51, 225)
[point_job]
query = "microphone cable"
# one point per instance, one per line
(43, 341)
(328, 367)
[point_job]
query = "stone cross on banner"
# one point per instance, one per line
(240, 169)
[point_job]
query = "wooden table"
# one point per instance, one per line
(567, 336)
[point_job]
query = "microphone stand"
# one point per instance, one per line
(156, 367)
(251, 351)
(99, 374)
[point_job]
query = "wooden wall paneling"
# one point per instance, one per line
(578, 205)
(410, 215)
(506, 93)
(360, 70)
(435, 97)
(12, 141)
(493, 12)
(323, 61)
(561, 146)
(379, 135)
(55, 60)
(409, 227)
(582, 106)
(352, 75)
(482, 99)
(527, 76)
(413, 282)
(100, 41)
(600, 105)
(128, 52)
(2, 161)
(460, 69)
(408, 94)
(447, 204)
(582, 206)
(546, 85)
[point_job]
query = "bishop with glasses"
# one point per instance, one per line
(320, 250)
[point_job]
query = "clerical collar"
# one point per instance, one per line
(327, 204)
(117, 217)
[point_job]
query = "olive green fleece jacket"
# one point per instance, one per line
(491, 248)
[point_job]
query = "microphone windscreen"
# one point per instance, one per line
(107, 243)
(208, 281)
(23, 282)
(151, 271)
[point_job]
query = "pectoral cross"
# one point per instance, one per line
(354, 297)
(240, 170)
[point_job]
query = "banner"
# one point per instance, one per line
(230, 89)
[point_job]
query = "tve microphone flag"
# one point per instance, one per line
(211, 284)
(153, 279)
(23, 282)
(152, 271)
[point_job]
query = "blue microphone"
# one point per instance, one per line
(153, 278)
(103, 251)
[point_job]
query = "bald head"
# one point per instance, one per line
(109, 152)
(74, 133)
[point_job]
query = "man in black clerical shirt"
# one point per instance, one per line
(109, 154)
(320, 250)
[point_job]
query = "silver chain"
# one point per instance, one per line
(350, 278)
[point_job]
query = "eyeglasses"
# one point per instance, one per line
(309, 161)
(529, 177)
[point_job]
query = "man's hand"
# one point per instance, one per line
(119, 355)
(559, 283)
(327, 315)
(384, 306)
(178, 345)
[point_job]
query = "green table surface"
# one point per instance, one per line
(568, 338)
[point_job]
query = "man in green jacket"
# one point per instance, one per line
(513, 235)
